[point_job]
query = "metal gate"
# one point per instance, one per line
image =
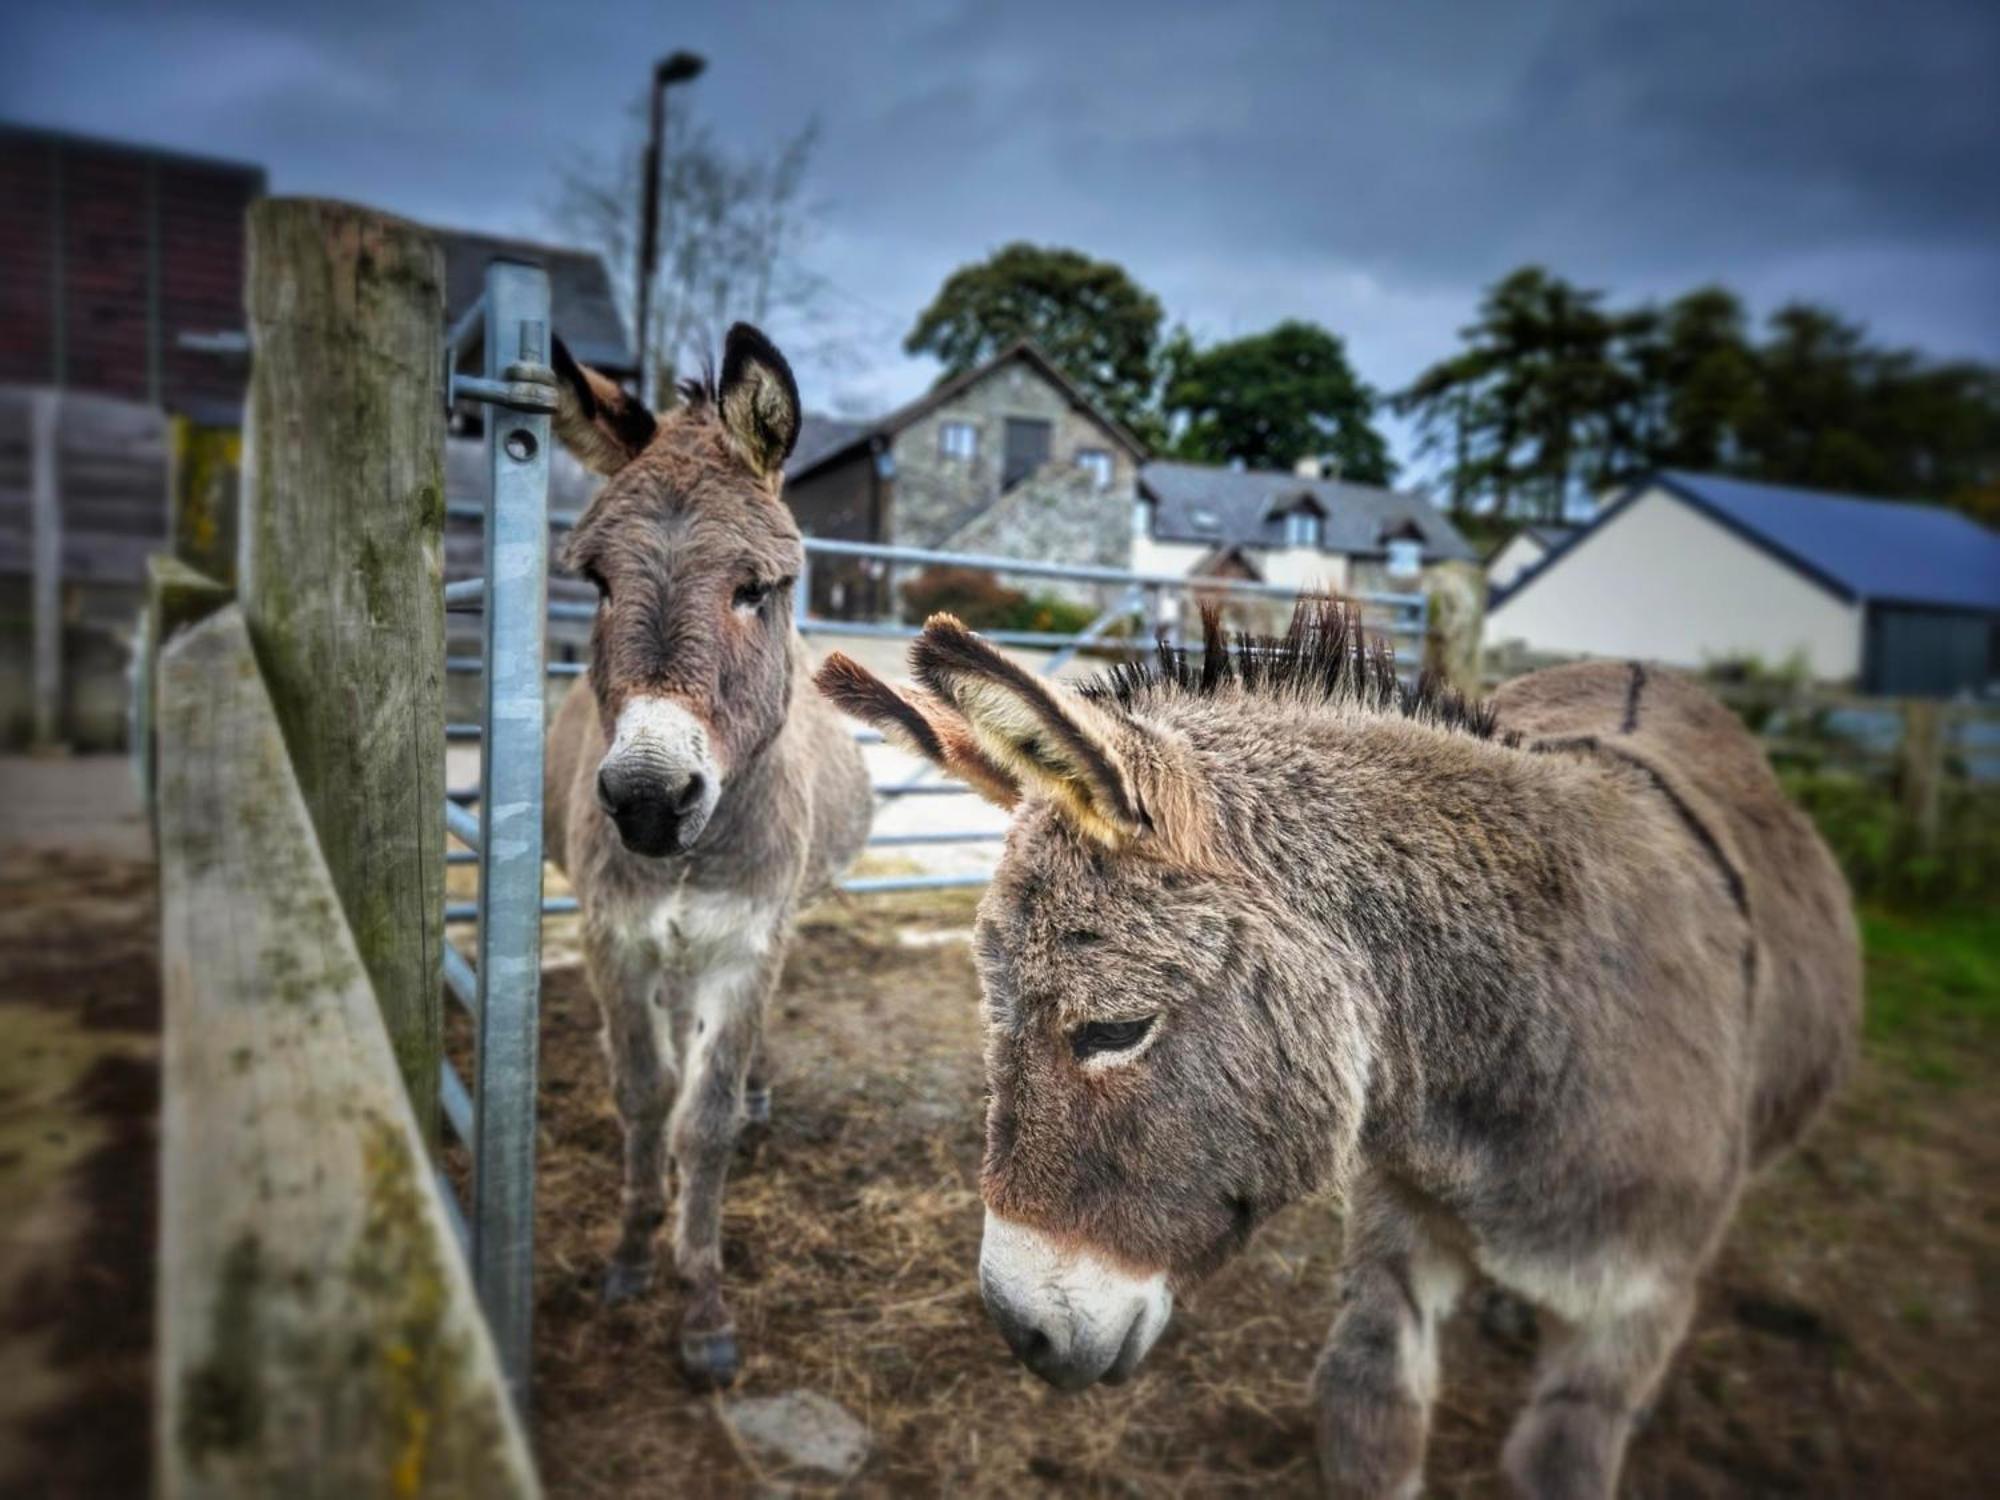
(494, 1113)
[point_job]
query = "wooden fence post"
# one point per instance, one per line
(341, 575)
(1455, 623)
(44, 500)
(1921, 769)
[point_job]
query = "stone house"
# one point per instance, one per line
(1294, 527)
(1011, 458)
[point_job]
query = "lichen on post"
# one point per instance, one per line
(341, 574)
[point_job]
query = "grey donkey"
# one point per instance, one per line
(1535, 987)
(698, 790)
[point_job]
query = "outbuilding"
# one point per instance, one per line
(1898, 598)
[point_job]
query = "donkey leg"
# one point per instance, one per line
(1378, 1373)
(757, 1085)
(728, 1017)
(641, 1058)
(1591, 1387)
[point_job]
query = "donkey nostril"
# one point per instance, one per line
(690, 794)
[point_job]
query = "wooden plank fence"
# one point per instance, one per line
(319, 1333)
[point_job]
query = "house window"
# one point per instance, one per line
(1142, 527)
(1406, 557)
(1096, 462)
(958, 440)
(1303, 528)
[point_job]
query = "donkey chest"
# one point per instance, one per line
(691, 931)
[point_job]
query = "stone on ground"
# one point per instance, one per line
(800, 1430)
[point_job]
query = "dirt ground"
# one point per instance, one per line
(1844, 1346)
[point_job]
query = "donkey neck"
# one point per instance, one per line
(1433, 879)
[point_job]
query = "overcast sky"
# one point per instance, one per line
(1370, 166)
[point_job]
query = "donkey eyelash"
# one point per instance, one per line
(755, 595)
(1095, 1037)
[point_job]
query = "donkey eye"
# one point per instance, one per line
(596, 581)
(1094, 1037)
(751, 595)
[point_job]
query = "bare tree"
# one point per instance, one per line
(734, 231)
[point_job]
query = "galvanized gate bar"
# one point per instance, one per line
(508, 967)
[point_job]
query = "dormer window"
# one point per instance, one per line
(1304, 528)
(1406, 557)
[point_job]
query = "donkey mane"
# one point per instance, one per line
(1324, 656)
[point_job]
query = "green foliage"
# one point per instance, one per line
(1553, 395)
(1272, 399)
(1101, 328)
(1933, 987)
(1858, 817)
(984, 603)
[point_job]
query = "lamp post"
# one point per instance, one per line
(678, 67)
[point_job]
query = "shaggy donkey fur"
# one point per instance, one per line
(1536, 987)
(698, 793)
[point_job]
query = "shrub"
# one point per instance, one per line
(984, 603)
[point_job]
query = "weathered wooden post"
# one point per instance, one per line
(1921, 770)
(1454, 624)
(341, 580)
(44, 501)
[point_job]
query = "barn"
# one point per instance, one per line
(1685, 569)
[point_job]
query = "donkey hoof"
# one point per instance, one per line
(710, 1360)
(756, 1106)
(624, 1283)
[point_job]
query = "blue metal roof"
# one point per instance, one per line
(1880, 550)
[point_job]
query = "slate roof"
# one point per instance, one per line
(585, 310)
(1248, 507)
(1855, 547)
(799, 464)
(822, 437)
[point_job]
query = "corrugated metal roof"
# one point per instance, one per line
(1202, 503)
(1884, 550)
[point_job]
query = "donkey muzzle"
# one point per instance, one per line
(658, 783)
(1070, 1316)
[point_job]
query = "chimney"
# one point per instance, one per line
(1309, 467)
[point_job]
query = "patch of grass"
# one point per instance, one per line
(1933, 988)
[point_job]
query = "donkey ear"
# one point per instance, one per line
(758, 399)
(916, 722)
(597, 421)
(1047, 736)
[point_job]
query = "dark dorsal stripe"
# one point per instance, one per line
(1632, 692)
(1590, 744)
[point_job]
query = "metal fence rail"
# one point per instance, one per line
(1141, 611)
(500, 987)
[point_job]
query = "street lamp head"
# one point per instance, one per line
(678, 68)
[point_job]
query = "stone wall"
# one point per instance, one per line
(1057, 515)
(937, 496)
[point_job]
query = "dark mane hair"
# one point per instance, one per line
(1324, 656)
(700, 390)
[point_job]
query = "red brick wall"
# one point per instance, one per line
(120, 211)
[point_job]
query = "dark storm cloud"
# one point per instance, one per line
(1371, 166)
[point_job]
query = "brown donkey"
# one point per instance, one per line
(698, 791)
(1536, 988)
